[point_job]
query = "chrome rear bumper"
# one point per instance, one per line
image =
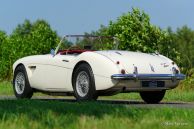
(148, 77)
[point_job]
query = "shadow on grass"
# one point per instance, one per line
(66, 113)
(67, 107)
(40, 107)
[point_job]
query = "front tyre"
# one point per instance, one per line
(152, 97)
(83, 83)
(21, 84)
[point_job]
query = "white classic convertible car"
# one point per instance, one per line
(87, 74)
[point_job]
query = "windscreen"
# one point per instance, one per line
(88, 42)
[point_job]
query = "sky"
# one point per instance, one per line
(79, 16)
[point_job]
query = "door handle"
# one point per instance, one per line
(65, 60)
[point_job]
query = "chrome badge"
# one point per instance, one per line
(152, 68)
(165, 64)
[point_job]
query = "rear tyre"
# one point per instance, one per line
(84, 84)
(152, 97)
(21, 86)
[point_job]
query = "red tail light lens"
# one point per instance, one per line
(123, 71)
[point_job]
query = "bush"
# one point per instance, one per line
(3, 41)
(27, 39)
(136, 33)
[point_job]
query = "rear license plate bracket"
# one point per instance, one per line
(153, 83)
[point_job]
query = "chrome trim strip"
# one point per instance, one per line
(148, 77)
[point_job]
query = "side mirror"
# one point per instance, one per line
(52, 52)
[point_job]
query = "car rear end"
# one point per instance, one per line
(143, 72)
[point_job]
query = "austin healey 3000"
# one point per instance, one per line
(87, 73)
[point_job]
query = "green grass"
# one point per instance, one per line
(38, 114)
(6, 88)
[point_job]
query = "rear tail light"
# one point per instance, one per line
(175, 71)
(123, 71)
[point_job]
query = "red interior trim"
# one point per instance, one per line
(63, 52)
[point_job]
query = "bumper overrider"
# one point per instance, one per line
(142, 77)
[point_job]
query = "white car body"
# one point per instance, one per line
(54, 73)
(87, 74)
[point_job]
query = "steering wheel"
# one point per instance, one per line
(72, 48)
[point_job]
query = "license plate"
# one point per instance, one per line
(153, 84)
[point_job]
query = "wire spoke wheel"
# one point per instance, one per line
(20, 83)
(21, 86)
(82, 83)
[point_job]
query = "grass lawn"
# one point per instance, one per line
(6, 88)
(39, 114)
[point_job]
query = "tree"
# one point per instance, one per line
(27, 39)
(136, 33)
(169, 48)
(183, 39)
(3, 41)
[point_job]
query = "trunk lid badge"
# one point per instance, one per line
(152, 68)
(165, 64)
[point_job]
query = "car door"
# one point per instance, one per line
(50, 73)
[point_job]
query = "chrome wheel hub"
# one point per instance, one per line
(19, 83)
(82, 84)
